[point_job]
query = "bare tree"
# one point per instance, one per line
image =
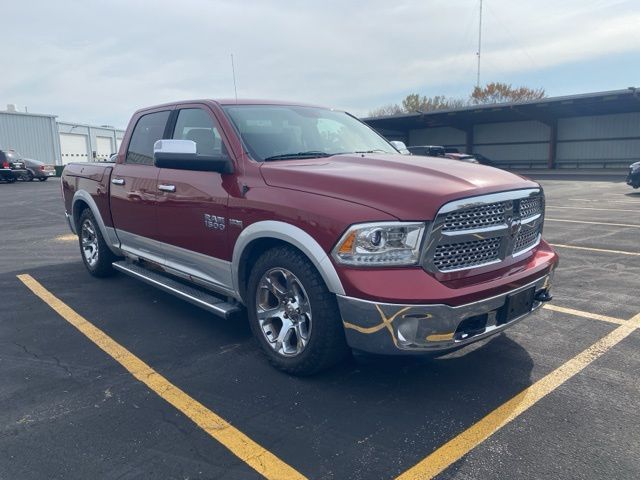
(496, 92)
(391, 109)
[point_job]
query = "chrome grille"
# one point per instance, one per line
(456, 256)
(526, 239)
(482, 216)
(531, 206)
(484, 230)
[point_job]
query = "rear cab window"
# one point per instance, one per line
(148, 130)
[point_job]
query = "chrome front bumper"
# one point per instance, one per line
(396, 328)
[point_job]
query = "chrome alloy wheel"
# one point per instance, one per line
(89, 242)
(283, 311)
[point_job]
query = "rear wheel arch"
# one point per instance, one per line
(83, 200)
(79, 206)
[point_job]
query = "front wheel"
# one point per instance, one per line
(43, 179)
(293, 316)
(95, 253)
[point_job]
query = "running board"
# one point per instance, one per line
(196, 296)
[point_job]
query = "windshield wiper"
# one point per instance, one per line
(377, 150)
(309, 154)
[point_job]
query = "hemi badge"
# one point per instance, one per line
(235, 223)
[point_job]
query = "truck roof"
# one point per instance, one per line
(232, 101)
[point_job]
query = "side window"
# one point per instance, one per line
(147, 131)
(195, 124)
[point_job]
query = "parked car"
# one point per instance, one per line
(463, 157)
(38, 170)
(312, 223)
(633, 178)
(11, 166)
(427, 150)
(400, 146)
(484, 160)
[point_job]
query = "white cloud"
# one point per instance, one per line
(94, 62)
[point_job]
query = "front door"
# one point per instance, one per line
(134, 190)
(192, 206)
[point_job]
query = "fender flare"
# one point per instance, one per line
(108, 233)
(296, 237)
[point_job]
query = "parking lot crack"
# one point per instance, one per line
(56, 360)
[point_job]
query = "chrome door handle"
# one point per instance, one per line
(117, 181)
(167, 188)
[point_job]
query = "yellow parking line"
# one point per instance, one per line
(592, 223)
(591, 249)
(66, 238)
(580, 313)
(462, 444)
(257, 457)
(592, 208)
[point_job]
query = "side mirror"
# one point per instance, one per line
(400, 146)
(182, 155)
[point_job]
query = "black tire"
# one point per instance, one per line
(43, 179)
(326, 345)
(101, 264)
(29, 176)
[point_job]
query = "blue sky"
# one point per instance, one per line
(96, 62)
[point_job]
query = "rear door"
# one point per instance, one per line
(192, 206)
(134, 189)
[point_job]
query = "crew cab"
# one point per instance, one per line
(315, 227)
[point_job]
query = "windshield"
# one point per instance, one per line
(278, 132)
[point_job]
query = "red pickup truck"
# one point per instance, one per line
(315, 226)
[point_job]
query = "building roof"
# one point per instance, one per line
(545, 110)
(27, 114)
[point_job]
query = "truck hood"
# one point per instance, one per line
(407, 187)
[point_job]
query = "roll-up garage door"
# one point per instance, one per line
(73, 148)
(103, 148)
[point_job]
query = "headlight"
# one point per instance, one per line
(380, 244)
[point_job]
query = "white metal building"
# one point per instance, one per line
(81, 143)
(33, 135)
(593, 130)
(41, 137)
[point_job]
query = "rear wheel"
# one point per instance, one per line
(293, 316)
(28, 176)
(96, 255)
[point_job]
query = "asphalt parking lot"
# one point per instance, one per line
(556, 396)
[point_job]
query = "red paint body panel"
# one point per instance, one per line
(396, 184)
(414, 285)
(133, 205)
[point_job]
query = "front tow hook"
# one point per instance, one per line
(543, 296)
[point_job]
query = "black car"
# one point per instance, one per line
(484, 160)
(427, 150)
(11, 166)
(38, 170)
(633, 178)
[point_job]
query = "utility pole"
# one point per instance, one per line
(479, 46)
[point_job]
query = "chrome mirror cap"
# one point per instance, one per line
(187, 147)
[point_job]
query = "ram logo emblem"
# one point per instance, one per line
(214, 222)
